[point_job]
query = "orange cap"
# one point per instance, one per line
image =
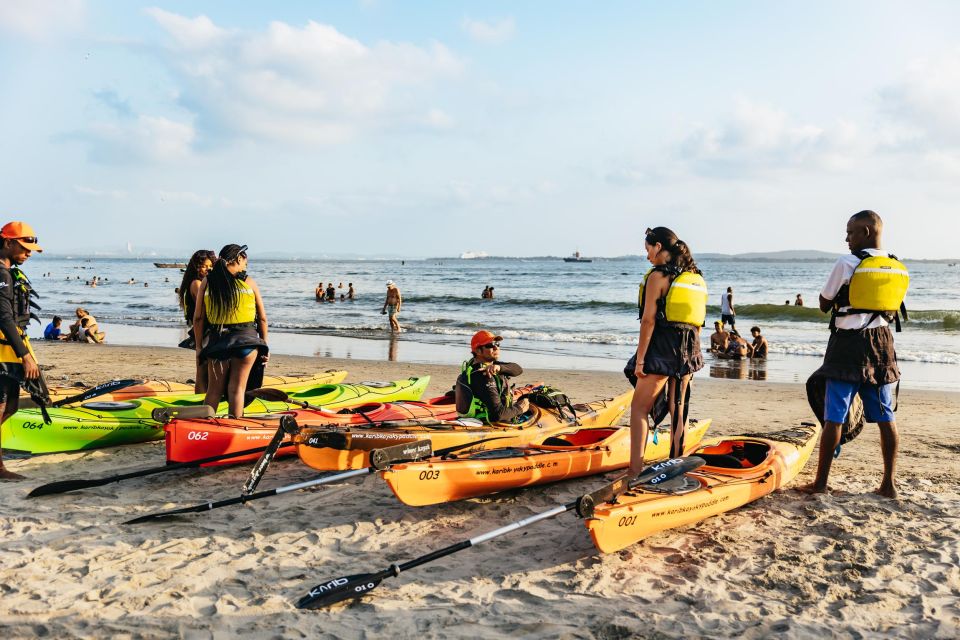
(22, 233)
(481, 338)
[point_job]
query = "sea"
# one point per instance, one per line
(551, 313)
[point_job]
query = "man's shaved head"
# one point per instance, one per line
(864, 230)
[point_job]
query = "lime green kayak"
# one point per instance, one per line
(94, 424)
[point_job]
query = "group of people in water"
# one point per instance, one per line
(229, 333)
(330, 293)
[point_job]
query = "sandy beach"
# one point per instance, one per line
(847, 564)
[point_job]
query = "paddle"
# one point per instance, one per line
(99, 390)
(63, 486)
(339, 589)
(380, 459)
(288, 425)
(278, 395)
(163, 415)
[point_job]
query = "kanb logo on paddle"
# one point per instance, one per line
(333, 584)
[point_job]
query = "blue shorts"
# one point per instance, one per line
(878, 400)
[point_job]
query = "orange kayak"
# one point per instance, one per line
(326, 450)
(583, 452)
(739, 469)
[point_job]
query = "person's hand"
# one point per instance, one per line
(638, 369)
(265, 358)
(491, 369)
(30, 369)
(523, 405)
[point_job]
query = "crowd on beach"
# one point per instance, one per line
(229, 332)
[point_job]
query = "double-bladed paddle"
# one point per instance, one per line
(99, 390)
(380, 459)
(344, 588)
(63, 486)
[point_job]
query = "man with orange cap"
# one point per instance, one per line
(18, 366)
(482, 390)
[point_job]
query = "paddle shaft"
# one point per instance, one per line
(63, 486)
(209, 506)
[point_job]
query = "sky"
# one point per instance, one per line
(378, 127)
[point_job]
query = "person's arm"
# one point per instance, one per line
(656, 285)
(261, 311)
(507, 369)
(199, 316)
(485, 390)
(733, 311)
(399, 300)
(831, 288)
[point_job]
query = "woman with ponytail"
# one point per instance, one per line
(232, 313)
(669, 344)
(197, 269)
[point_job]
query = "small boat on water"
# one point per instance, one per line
(170, 265)
(576, 257)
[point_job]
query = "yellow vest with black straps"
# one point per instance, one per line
(878, 285)
(245, 311)
(22, 315)
(686, 301)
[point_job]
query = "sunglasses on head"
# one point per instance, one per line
(490, 345)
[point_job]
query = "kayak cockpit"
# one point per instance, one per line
(735, 454)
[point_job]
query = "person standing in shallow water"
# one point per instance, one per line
(391, 305)
(669, 343)
(860, 359)
(18, 365)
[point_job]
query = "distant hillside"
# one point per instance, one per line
(774, 256)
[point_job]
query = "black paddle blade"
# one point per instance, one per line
(340, 589)
(99, 390)
(63, 486)
(163, 415)
(380, 459)
(651, 477)
(160, 515)
(268, 393)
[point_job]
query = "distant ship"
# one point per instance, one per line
(473, 255)
(576, 257)
(170, 265)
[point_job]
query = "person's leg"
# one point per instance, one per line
(217, 374)
(878, 403)
(202, 378)
(678, 426)
(9, 403)
(644, 395)
(839, 395)
(237, 385)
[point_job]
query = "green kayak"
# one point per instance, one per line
(93, 425)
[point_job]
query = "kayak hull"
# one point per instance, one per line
(97, 424)
(470, 434)
(188, 440)
(773, 460)
(169, 390)
(592, 451)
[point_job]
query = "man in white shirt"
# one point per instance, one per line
(860, 359)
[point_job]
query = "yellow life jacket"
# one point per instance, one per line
(245, 311)
(878, 285)
(686, 300)
(22, 304)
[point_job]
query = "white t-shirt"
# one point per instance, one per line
(725, 304)
(841, 274)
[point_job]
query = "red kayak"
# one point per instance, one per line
(189, 440)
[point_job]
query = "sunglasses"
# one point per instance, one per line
(28, 240)
(491, 345)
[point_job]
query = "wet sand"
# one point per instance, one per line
(846, 564)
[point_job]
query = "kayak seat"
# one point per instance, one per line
(553, 441)
(722, 460)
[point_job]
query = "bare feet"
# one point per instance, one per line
(813, 488)
(6, 474)
(887, 490)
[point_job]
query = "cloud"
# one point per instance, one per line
(927, 102)
(302, 85)
(489, 32)
(110, 99)
(41, 19)
(111, 194)
(144, 139)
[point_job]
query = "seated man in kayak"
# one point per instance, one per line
(482, 389)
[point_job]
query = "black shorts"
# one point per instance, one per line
(728, 318)
(673, 351)
(9, 388)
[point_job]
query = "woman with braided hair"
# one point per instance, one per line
(235, 322)
(672, 303)
(201, 262)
